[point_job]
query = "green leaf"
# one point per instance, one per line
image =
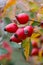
(15, 45)
(35, 23)
(4, 61)
(18, 58)
(30, 47)
(10, 63)
(7, 20)
(41, 30)
(32, 14)
(33, 6)
(3, 51)
(26, 47)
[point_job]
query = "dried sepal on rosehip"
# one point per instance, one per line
(28, 30)
(14, 38)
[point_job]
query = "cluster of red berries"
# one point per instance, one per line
(35, 49)
(19, 33)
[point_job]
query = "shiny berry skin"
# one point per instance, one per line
(11, 28)
(34, 52)
(28, 30)
(34, 44)
(20, 33)
(22, 18)
(14, 38)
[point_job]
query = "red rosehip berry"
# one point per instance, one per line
(34, 52)
(20, 33)
(22, 18)
(28, 30)
(34, 44)
(11, 28)
(14, 38)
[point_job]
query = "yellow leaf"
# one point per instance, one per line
(35, 35)
(33, 6)
(26, 47)
(9, 4)
(40, 55)
(41, 10)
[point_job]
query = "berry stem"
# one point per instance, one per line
(33, 20)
